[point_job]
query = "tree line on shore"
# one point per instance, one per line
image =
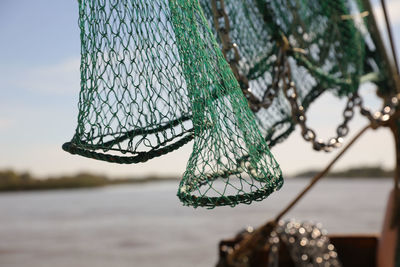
(13, 181)
(354, 172)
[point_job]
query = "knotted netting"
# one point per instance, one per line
(153, 78)
(282, 49)
(227, 141)
(133, 102)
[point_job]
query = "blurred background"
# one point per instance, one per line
(141, 222)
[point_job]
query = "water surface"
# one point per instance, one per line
(145, 225)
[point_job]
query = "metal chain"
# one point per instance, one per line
(381, 118)
(222, 26)
(299, 116)
(298, 113)
(282, 72)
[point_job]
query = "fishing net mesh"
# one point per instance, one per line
(153, 78)
(157, 74)
(133, 102)
(275, 45)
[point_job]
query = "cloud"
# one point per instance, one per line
(58, 78)
(6, 123)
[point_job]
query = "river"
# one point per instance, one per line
(145, 225)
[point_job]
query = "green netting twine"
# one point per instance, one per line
(326, 52)
(227, 143)
(153, 78)
(133, 102)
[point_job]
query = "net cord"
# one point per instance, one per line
(250, 243)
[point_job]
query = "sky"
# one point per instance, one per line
(39, 86)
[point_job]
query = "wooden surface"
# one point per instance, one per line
(353, 251)
(357, 250)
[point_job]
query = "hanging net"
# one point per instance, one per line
(153, 78)
(227, 141)
(133, 103)
(286, 53)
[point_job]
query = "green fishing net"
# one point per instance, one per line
(153, 78)
(274, 46)
(133, 102)
(227, 142)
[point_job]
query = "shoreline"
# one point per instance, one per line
(11, 181)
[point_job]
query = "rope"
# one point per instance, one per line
(257, 239)
(140, 157)
(321, 174)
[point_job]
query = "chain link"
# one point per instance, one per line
(222, 26)
(376, 119)
(381, 118)
(281, 74)
(299, 116)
